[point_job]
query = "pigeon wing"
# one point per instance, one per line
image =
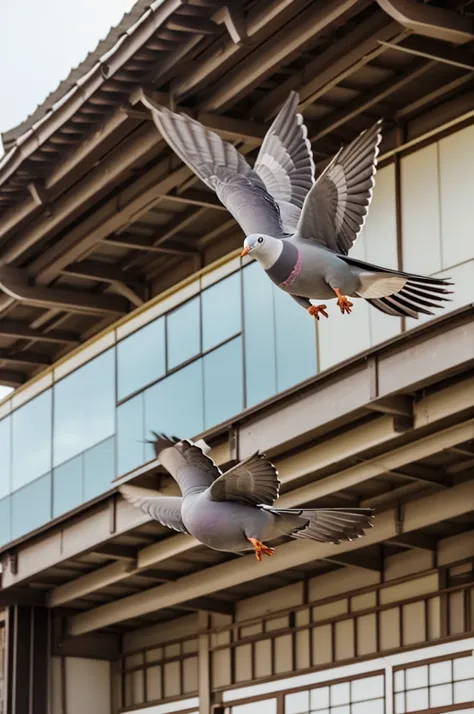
(285, 162)
(336, 208)
(165, 509)
(222, 168)
(186, 462)
(253, 482)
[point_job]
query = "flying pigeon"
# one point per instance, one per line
(300, 229)
(233, 511)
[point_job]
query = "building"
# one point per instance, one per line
(125, 307)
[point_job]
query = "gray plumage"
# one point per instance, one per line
(224, 511)
(301, 229)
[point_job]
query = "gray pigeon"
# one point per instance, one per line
(301, 230)
(233, 511)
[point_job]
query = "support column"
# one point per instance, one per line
(204, 669)
(27, 656)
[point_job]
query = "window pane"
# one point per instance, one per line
(68, 486)
(31, 506)
(31, 443)
(259, 325)
(130, 435)
(341, 710)
(417, 677)
(373, 706)
(99, 469)
(367, 688)
(223, 385)
(399, 680)
(183, 327)
(5, 535)
(464, 691)
(440, 672)
(416, 699)
(84, 406)
(320, 698)
(141, 358)
(400, 703)
(175, 405)
(221, 311)
(5, 456)
(295, 341)
(340, 694)
(463, 667)
(441, 695)
(297, 703)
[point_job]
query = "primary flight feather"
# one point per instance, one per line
(233, 511)
(298, 228)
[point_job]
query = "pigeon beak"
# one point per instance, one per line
(245, 251)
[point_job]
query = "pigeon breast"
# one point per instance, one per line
(287, 267)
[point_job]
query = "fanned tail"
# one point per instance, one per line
(326, 525)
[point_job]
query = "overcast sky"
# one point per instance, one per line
(42, 40)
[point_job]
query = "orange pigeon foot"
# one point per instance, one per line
(343, 302)
(315, 310)
(260, 548)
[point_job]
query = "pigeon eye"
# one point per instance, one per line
(260, 240)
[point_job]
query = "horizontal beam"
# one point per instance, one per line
(21, 330)
(24, 358)
(424, 19)
(14, 283)
(434, 50)
(136, 243)
(415, 541)
(103, 272)
(419, 514)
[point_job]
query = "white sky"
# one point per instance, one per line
(41, 41)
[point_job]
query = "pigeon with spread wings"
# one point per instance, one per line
(300, 229)
(233, 511)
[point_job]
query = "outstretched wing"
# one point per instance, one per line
(165, 509)
(336, 208)
(253, 482)
(222, 168)
(285, 162)
(186, 462)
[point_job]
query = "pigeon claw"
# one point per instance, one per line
(344, 304)
(260, 548)
(316, 310)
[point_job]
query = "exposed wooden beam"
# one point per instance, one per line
(416, 541)
(207, 604)
(24, 358)
(117, 552)
(14, 282)
(194, 197)
(103, 272)
(434, 50)
(367, 101)
(9, 378)
(424, 19)
(21, 330)
(358, 560)
(136, 243)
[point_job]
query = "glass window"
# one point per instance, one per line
(441, 695)
(221, 311)
(295, 335)
(99, 469)
(400, 703)
(367, 688)
(399, 680)
(174, 406)
(259, 324)
(141, 358)
(223, 383)
(31, 506)
(5, 456)
(340, 694)
(84, 407)
(464, 691)
(440, 672)
(31, 440)
(320, 698)
(297, 703)
(5, 535)
(462, 667)
(130, 435)
(183, 327)
(372, 706)
(68, 486)
(416, 699)
(417, 677)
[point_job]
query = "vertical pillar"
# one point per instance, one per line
(204, 669)
(28, 655)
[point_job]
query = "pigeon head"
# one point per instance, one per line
(263, 248)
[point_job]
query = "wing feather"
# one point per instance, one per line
(164, 509)
(253, 482)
